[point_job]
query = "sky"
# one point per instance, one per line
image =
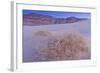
(59, 14)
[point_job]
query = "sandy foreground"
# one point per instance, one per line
(33, 42)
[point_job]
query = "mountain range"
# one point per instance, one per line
(34, 19)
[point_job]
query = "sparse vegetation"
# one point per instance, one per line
(69, 46)
(42, 33)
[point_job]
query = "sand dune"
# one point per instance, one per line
(57, 42)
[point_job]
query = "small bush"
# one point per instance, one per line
(42, 33)
(69, 46)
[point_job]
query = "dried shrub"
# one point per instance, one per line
(42, 33)
(69, 46)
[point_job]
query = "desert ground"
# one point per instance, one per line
(69, 41)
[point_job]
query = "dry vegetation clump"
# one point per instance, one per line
(69, 46)
(42, 33)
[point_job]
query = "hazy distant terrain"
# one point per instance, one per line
(34, 19)
(32, 43)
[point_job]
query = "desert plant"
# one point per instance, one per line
(69, 46)
(42, 33)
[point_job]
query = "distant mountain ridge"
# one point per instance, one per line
(40, 19)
